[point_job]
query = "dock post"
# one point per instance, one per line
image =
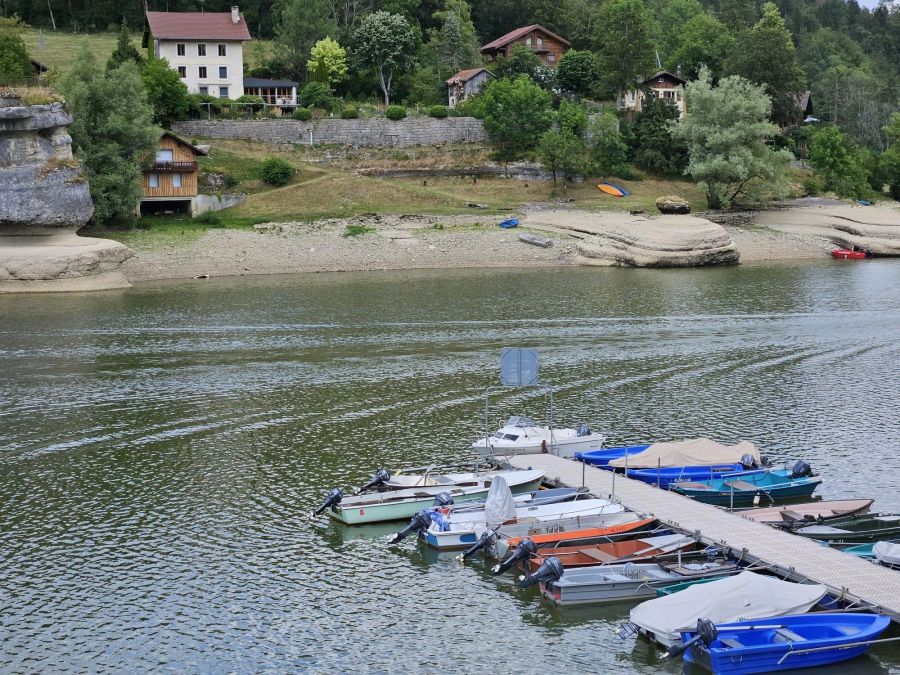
(658, 470)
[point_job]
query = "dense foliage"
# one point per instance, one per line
(14, 63)
(516, 113)
(276, 171)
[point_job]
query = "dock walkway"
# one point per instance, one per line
(797, 557)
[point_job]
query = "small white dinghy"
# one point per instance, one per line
(887, 553)
(521, 436)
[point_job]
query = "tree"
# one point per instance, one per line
(837, 161)
(112, 132)
(454, 43)
(166, 93)
(673, 16)
(561, 151)
(519, 60)
(301, 23)
(626, 50)
(516, 113)
(766, 56)
(385, 41)
(578, 72)
(608, 149)
(725, 130)
(328, 62)
(15, 65)
(890, 160)
(737, 14)
(703, 40)
(572, 117)
(657, 150)
(124, 51)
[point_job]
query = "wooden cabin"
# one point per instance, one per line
(466, 83)
(662, 85)
(548, 46)
(170, 179)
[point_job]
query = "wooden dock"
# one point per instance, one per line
(799, 558)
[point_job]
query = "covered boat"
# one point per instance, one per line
(674, 474)
(521, 436)
(862, 529)
(601, 458)
(783, 643)
(742, 597)
(887, 553)
(401, 504)
(798, 515)
(752, 487)
(696, 452)
(642, 549)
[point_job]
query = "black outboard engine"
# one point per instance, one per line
(582, 430)
(524, 550)
(333, 498)
(443, 499)
(486, 538)
(417, 523)
(550, 570)
(765, 461)
(801, 470)
(381, 477)
(748, 461)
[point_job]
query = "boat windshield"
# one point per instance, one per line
(520, 422)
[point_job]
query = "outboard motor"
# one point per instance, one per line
(524, 550)
(748, 461)
(801, 469)
(766, 462)
(417, 523)
(551, 570)
(381, 477)
(583, 430)
(333, 498)
(443, 499)
(486, 538)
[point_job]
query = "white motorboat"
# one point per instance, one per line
(521, 436)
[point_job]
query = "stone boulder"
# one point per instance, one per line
(640, 241)
(673, 205)
(44, 200)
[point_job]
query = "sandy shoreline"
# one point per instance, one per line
(414, 242)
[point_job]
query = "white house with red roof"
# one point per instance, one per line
(206, 48)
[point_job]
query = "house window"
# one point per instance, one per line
(204, 91)
(182, 72)
(223, 72)
(223, 92)
(527, 42)
(550, 58)
(164, 156)
(179, 48)
(176, 180)
(223, 50)
(201, 49)
(202, 72)
(540, 41)
(154, 180)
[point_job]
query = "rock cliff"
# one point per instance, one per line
(44, 200)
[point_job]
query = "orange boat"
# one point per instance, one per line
(586, 535)
(632, 550)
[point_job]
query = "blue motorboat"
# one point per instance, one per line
(602, 458)
(782, 643)
(764, 486)
(673, 474)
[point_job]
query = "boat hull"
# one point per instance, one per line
(601, 458)
(854, 531)
(847, 254)
(749, 488)
(563, 448)
(665, 477)
(612, 527)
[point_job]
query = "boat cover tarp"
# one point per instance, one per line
(887, 552)
(738, 598)
(696, 452)
(499, 505)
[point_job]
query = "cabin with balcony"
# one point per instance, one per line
(548, 46)
(662, 85)
(170, 177)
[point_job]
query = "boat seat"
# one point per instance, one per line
(597, 555)
(441, 480)
(731, 642)
(741, 485)
(789, 635)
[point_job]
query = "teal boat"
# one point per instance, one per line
(675, 588)
(862, 551)
(766, 486)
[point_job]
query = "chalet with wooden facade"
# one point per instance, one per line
(548, 46)
(466, 83)
(662, 85)
(170, 178)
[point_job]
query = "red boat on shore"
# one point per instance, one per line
(848, 254)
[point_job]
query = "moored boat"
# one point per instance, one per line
(521, 436)
(602, 457)
(674, 474)
(693, 452)
(798, 515)
(870, 527)
(850, 254)
(887, 553)
(641, 549)
(401, 504)
(782, 643)
(752, 487)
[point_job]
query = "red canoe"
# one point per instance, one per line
(847, 254)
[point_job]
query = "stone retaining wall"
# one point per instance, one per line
(361, 133)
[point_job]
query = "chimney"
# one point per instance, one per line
(235, 15)
(678, 70)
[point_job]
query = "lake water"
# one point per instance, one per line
(161, 447)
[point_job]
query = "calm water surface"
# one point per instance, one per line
(161, 447)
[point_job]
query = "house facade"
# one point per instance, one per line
(662, 85)
(170, 178)
(273, 92)
(207, 49)
(466, 83)
(548, 46)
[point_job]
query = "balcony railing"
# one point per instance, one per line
(180, 167)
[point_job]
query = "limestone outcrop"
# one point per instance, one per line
(44, 200)
(640, 241)
(673, 205)
(876, 228)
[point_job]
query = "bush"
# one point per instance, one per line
(256, 103)
(349, 113)
(302, 114)
(438, 111)
(471, 107)
(395, 112)
(229, 181)
(316, 95)
(276, 171)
